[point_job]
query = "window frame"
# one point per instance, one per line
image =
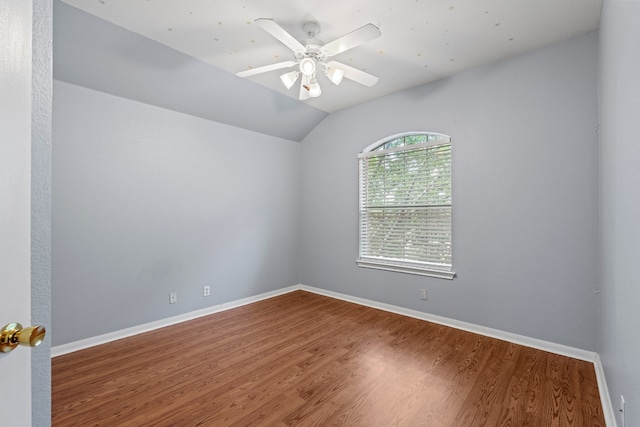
(443, 271)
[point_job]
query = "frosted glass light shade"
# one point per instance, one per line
(314, 89)
(335, 75)
(290, 78)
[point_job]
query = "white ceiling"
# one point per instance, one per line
(422, 40)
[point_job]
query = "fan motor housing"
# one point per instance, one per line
(311, 29)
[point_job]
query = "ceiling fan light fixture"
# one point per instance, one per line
(289, 78)
(308, 66)
(314, 89)
(312, 57)
(335, 75)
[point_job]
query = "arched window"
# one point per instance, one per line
(405, 204)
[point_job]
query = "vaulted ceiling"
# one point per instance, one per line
(422, 41)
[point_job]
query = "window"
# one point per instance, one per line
(405, 205)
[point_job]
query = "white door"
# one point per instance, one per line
(15, 210)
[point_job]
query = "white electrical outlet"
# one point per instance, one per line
(621, 411)
(173, 297)
(207, 291)
(423, 294)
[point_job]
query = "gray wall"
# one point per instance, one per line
(620, 202)
(525, 191)
(147, 201)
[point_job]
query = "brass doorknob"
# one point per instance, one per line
(14, 334)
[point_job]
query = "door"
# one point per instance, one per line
(15, 204)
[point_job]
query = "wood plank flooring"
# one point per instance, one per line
(308, 360)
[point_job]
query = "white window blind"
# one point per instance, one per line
(405, 205)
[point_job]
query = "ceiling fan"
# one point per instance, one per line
(311, 58)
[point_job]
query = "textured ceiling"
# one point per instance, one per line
(422, 40)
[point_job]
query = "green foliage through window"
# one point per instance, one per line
(405, 201)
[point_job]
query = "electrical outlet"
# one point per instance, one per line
(173, 297)
(207, 291)
(621, 411)
(423, 294)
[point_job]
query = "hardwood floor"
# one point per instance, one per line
(309, 360)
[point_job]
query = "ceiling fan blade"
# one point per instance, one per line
(351, 40)
(278, 32)
(304, 91)
(265, 68)
(354, 74)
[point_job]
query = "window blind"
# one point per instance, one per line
(405, 206)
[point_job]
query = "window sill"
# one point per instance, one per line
(399, 268)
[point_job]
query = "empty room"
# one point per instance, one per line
(398, 213)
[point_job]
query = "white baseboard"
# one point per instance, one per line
(607, 407)
(560, 349)
(563, 350)
(59, 350)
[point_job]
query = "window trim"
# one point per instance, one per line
(369, 151)
(417, 268)
(399, 268)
